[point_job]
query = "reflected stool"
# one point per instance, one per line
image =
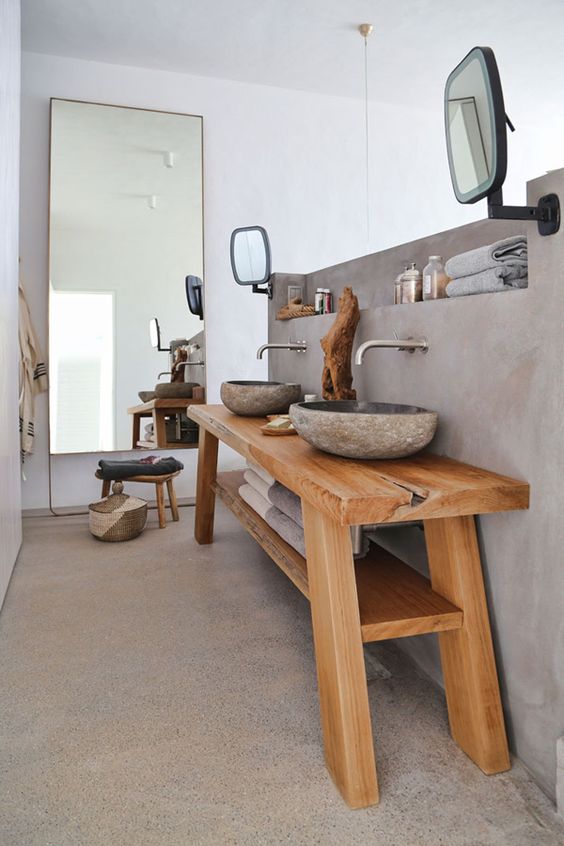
(158, 482)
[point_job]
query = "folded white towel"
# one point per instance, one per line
(281, 523)
(260, 471)
(258, 483)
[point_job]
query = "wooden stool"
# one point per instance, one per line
(158, 482)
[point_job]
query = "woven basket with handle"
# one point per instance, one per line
(119, 517)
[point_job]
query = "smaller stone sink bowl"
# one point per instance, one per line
(364, 429)
(257, 399)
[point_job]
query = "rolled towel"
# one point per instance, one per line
(257, 482)
(487, 282)
(124, 469)
(260, 471)
(281, 523)
(285, 500)
(509, 253)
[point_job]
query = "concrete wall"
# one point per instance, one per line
(10, 498)
(494, 374)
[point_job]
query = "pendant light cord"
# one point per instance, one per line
(367, 145)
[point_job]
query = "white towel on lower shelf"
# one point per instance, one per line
(260, 471)
(281, 523)
(280, 496)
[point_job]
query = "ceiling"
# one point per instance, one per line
(310, 45)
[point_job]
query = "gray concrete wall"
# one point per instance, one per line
(494, 374)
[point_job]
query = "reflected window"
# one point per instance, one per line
(82, 362)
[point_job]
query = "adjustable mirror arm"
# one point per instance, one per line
(268, 290)
(547, 212)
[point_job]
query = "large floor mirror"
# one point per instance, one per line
(126, 271)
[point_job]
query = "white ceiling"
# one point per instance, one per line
(309, 45)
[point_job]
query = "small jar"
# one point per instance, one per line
(397, 287)
(435, 279)
(411, 285)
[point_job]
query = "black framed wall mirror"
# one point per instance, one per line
(476, 137)
(251, 258)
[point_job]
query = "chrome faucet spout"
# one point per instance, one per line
(295, 346)
(403, 345)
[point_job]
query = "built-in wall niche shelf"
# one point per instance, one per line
(430, 305)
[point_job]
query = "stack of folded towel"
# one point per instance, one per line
(498, 267)
(278, 506)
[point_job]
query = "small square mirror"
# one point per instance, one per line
(250, 256)
(475, 127)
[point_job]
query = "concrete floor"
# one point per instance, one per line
(160, 693)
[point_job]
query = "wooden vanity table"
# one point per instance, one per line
(378, 597)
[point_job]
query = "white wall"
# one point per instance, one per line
(10, 520)
(289, 160)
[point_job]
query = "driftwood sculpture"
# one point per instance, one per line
(180, 357)
(336, 380)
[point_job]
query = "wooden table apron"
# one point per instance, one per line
(337, 493)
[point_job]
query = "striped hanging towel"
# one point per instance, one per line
(33, 376)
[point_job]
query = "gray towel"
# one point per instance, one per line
(285, 500)
(281, 523)
(509, 255)
(122, 469)
(487, 282)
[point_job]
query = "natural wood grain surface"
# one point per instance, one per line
(205, 493)
(343, 694)
(285, 556)
(467, 656)
(354, 492)
(146, 408)
(394, 600)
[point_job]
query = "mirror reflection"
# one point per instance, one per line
(126, 229)
(470, 117)
(250, 255)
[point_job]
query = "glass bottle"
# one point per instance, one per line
(435, 279)
(411, 285)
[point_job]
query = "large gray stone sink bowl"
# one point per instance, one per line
(257, 399)
(364, 429)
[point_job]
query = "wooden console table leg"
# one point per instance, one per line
(205, 495)
(467, 656)
(106, 488)
(343, 692)
(136, 432)
(159, 427)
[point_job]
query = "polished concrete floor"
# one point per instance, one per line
(157, 693)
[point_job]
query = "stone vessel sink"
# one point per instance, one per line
(257, 399)
(364, 429)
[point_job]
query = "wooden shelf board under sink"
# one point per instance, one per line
(394, 599)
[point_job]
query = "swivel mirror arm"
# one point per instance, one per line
(547, 212)
(256, 289)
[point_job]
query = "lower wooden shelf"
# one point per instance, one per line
(394, 599)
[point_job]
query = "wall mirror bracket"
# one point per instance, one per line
(547, 213)
(476, 136)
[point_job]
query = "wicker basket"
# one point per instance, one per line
(119, 517)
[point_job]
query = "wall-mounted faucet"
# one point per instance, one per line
(296, 346)
(406, 345)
